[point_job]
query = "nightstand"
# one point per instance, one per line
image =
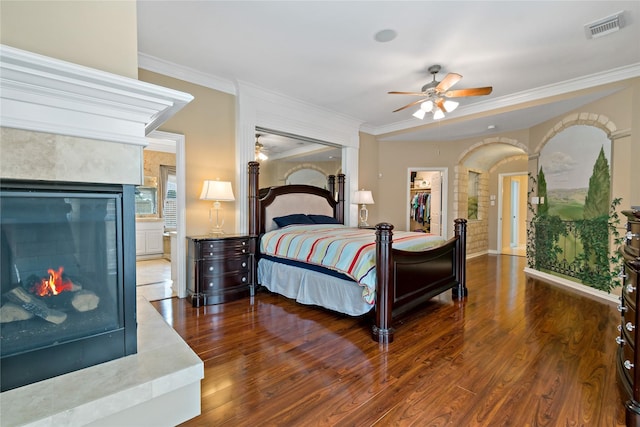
(217, 268)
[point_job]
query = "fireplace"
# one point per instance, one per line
(67, 278)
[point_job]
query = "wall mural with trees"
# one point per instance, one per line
(575, 216)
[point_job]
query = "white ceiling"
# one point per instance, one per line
(324, 53)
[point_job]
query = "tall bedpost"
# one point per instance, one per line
(382, 330)
(254, 223)
(340, 206)
(460, 291)
(331, 185)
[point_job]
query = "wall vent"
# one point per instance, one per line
(604, 26)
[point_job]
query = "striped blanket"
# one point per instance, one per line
(350, 251)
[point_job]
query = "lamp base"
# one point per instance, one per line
(216, 229)
(364, 215)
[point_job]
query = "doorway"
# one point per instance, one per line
(156, 271)
(427, 200)
(512, 205)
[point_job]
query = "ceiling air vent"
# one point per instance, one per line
(604, 26)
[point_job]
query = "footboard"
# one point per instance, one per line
(407, 279)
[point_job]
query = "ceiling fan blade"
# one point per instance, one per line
(449, 80)
(478, 91)
(440, 104)
(411, 104)
(407, 93)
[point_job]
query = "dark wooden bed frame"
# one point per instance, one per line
(404, 279)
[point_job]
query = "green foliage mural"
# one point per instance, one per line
(598, 197)
(543, 208)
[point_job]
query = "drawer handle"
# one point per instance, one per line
(210, 245)
(211, 284)
(619, 328)
(244, 250)
(210, 253)
(210, 268)
(628, 365)
(244, 264)
(622, 275)
(244, 243)
(630, 327)
(620, 341)
(622, 309)
(630, 288)
(631, 235)
(244, 279)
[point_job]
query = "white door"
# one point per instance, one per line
(515, 192)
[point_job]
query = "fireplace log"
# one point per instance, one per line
(11, 312)
(85, 301)
(33, 305)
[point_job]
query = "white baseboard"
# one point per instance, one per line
(580, 288)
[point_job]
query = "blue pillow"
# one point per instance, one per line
(323, 219)
(283, 221)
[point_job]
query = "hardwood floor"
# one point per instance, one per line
(517, 352)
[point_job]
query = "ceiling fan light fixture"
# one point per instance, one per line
(450, 105)
(259, 155)
(427, 106)
(438, 114)
(419, 114)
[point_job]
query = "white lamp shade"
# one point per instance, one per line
(217, 190)
(419, 114)
(450, 105)
(427, 106)
(438, 114)
(363, 197)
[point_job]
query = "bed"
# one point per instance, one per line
(291, 253)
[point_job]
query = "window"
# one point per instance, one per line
(168, 197)
(472, 195)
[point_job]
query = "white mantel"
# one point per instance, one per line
(43, 94)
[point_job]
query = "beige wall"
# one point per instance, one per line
(208, 124)
(96, 34)
(634, 152)
(368, 168)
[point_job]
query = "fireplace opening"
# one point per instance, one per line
(67, 278)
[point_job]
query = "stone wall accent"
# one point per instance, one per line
(477, 230)
(589, 119)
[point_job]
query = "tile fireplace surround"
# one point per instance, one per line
(62, 122)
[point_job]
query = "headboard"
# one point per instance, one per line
(268, 203)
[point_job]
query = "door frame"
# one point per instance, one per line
(444, 175)
(501, 178)
(180, 285)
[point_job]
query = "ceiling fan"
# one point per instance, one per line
(434, 95)
(260, 151)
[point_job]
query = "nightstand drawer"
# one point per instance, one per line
(224, 265)
(222, 283)
(215, 248)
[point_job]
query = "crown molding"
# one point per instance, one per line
(44, 94)
(171, 69)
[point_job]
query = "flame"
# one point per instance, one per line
(54, 285)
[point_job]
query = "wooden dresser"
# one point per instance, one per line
(217, 268)
(628, 354)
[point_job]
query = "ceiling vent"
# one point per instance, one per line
(604, 26)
